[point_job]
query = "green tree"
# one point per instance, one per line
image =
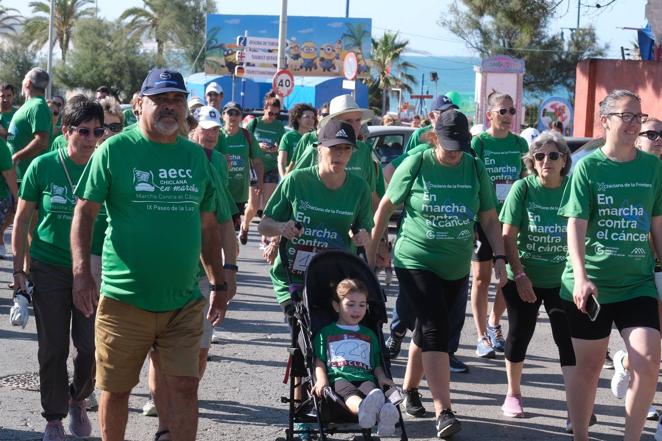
(104, 53)
(190, 35)
(519, 28)
(16, 59)
(157, 20)
(353, 37)
(66, 14)
(9, 20)
(388, 69)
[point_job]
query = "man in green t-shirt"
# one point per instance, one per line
(131, 114)
(159, 195)
(31, 126)
(7, 108)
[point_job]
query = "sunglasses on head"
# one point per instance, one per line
(652, 134)
(97, 132)
(114, 127)
(553, 156)
(502, 112)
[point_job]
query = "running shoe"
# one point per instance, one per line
(484, 348)
(394, 345)
(388, 418)
(609, 363)
(512, 406)
(412, 403)
(496, 338)
(370, 407)
(91, 402)
(456, 364)
(388, 276)
(658, 432)
(149, 409)
(243, 236)
(652, 414)
(79, 423)
(621, 379)
(447, 425)
(54, 431)
(568, 423)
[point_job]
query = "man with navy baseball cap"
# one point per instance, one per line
(439, 105)
(160, 197)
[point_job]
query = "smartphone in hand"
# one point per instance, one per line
(592, 308)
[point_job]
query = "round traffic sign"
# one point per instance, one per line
(350, 66)
(283, 82)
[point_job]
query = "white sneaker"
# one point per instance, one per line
(215, 337)
(388, 418)
(149, 409)
(652, 413)
(658, 433)
(370, 407)
(621, 379)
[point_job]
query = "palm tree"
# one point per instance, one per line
(390, 70)
(8, 21)
(66, 13)
(353, 36)
(152, 20)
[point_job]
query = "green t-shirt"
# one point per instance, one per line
(503, 160)
(236, 148)
(419, 148)
(360, 162)
(441, 205)
(5, 164)
(154, 194)
(59, 142)
(415, 138)
(619, 200)
(45, 183)
(32, 117)
(5, 117)
(271, 133)
(225, 206)
(380, 183)
(541, 241)
(349, 352)
(306, 140)
(129, 117)
(288, 142)
(326, 215)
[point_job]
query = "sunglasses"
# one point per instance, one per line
(553, 156)
(97, 132)
(233, 112)
(273, 113)
(628, 117)
(114, 127)
(502, 112)
(652, 135)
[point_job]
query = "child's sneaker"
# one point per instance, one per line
(621, 379)
(388, 418)
(370, 407)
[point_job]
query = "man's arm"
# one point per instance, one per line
(10, 179)
(85, 290)
(210, 257)
(19, 239)
(229, 247)
(38, 144)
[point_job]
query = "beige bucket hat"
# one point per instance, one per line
(345, 104)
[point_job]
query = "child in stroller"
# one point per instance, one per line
(348, 358)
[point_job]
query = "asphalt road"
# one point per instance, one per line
(240, 393)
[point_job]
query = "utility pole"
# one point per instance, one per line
(579, 5)
(282, 36)
(49, 66)
(346, 8)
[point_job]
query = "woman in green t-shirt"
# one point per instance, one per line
(303, 118)
(444, 191)
(614, 205)
(535, 239)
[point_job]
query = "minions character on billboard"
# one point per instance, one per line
(327, 58)
(309, 56)
(294, 60)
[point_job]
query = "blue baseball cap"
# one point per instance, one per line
(163, 81)
(442, 103)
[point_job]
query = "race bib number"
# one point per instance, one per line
(502, 191)
(301, 259)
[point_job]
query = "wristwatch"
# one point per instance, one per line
(230, 266)
(218, 287)
(500, 256)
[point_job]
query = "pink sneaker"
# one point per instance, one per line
(512, 406)
(54, 431)
(79, 423)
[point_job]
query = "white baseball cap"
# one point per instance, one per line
(208, 117)
(195, 102)
(213, 87)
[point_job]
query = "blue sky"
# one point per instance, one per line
(416, 20)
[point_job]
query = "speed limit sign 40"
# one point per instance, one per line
(283, 82)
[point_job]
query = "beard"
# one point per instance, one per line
(167, 124)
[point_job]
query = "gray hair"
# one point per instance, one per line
(548, 137)
(38, 78)
(607, 105)
(496, 97)
(112, 107)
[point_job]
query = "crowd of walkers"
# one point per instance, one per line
(94, 194)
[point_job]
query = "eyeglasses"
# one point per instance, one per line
(502, 112)
(553, 156)
(628, 117)
(273, 113)
(114, 127)
(308, 115)
(233, 112)
(97, 132)
(652, 134)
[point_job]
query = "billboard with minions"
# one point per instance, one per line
(316, 46)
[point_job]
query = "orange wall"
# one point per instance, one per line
(595, 78)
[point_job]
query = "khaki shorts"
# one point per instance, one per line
(125, 334)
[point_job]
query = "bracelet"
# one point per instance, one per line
(500, 256)
(17, 272)
(520, 275)
(230, 266)
(218, 287)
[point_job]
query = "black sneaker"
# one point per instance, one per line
(447, 424)
(412, 403)
(394, 345)
(609, 363)
(456, 364)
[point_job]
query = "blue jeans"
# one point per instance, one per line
(403, 317)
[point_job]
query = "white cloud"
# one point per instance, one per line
(233, 21)
(307, 31)
(336, 24)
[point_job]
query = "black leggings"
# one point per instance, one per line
(522, 317)
(431, 297)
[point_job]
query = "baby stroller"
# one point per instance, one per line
(312, 310)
